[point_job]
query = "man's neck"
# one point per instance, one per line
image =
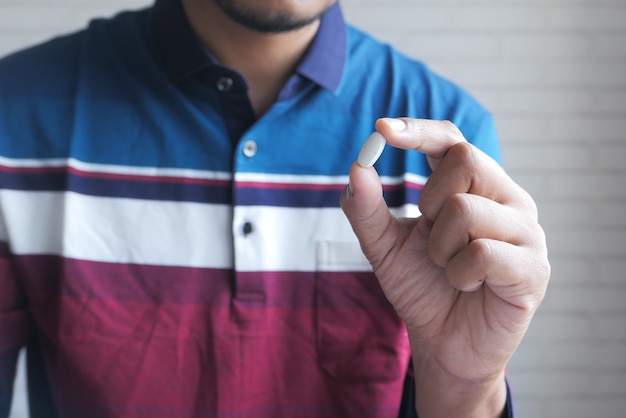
(266, 60)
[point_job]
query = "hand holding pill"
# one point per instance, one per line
(467, 276)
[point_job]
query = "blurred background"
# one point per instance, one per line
(554, 74)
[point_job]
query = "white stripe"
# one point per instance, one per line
(289, 178)
(29, 163)
(149, 171)
(299, 239)
(117, 230)
(298, 179)
(407, 177)
(114, 169)
(190, 234)
(287, 239)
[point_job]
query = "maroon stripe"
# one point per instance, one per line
(46, 275)
(148, 340)
(33, 170)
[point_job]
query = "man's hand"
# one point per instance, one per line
(466, 277)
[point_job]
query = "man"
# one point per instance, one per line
(171, 242)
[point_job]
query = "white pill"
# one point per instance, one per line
(371, 150)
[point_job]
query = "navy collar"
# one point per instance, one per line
(183, 55)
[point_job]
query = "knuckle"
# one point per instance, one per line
(458, 205)
(480, 251)
(462, 154)
(452, 130)
(531, 206)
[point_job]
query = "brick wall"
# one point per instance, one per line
(554, 74)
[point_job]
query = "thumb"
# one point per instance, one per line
(366, 210)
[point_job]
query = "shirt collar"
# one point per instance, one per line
(325, 59)
(183, 55)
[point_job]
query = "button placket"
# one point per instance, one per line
(249, 294)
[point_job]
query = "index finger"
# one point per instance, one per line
(431, 137)
(463, 170)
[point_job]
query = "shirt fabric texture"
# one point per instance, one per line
(165, 253)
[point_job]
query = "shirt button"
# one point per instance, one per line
(224, 84)
(247, 228)
(249, 148)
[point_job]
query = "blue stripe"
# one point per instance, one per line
(297, 198)
(62, 181)
(50, 181)
(401, 196)
(303, 198)
(151, 190)
(185, 192)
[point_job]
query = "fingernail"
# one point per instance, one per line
(396, 125)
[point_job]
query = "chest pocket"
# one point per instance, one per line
(360, 338)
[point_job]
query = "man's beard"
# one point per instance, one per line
(266, 21)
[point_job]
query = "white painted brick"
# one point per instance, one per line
(552, 383)
(561, 215)
(591, 18)
(577, 355)
(535, 184)
(572, 271)
(10, 42)
(592, 185)
(594, 129)
(546, 45)
(495, 17)
(610, 45)
(594, 299)
(548, 158)
(497, 72)
(446, 45)
(609, 327)
(528, 407)
(612, 382)
(563, 101)
(586, 73)
(549, 327)
(607, 242)
(611, 271)
(587, 406)
(23, 23)
(49, 18)
(575, 327)
(609, 102)
(529, 356)
(543, 100)
(610, 215)
(424, 18)
(525, 130)
(610, 157)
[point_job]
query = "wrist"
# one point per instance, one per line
(439, 394)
